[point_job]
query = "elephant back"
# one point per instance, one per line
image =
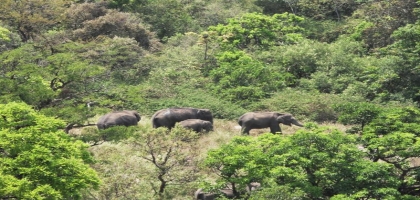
(181, 114)
(119, 118)
(168, 117)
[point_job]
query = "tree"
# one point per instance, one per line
(172, 154)
(393, 137)
(237, 164)
(4, 34)
(240, 78)
(405, 53)
(253, 29)
(38, 160)
(103, 22)
(386, 16)
(30, 18)
(316, 163)
(360, 114)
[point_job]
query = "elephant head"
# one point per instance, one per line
(137, 115)
(205, 114)
(288, 119)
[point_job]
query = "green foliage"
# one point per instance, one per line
(357, 32)
(254, 29)
(298, 60)
(239, 78)
(360, 113)
(339, 67)
(176, 80)
(122, 172)
(385, 17)
(318, 162)
(310, 105)
(198, 98)
(406, 70)
(4, 34)
(393, 137)
(40, 19)
(39, 161)
(160, 14)
(21, 78)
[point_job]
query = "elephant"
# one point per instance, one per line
(258, 120)
(197, 125)
(201, 195)
(119, 118)
(168, 117)
(227, 192)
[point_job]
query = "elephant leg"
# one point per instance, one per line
(245, 130)
(275, 128)
(197, 129)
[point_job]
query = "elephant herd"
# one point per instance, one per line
(197, 120)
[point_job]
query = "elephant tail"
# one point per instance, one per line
(154, 122)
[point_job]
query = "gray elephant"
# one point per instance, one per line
(119, 118)
(201, 195)
(226, 193)
(197, 125)
(168, 117)
(258, 120)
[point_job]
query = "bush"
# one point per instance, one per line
(313, 106)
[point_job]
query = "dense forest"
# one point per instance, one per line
(348, 69)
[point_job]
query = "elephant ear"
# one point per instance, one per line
(202, 112)
(137, 115)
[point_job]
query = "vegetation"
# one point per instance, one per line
(39, 161)
(346, 63)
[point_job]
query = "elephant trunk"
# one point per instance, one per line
(295, 122)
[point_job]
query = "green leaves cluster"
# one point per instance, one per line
(240, 78)
(38, 160)
(253, 29)
(361, 113)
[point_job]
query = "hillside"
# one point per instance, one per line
(348, 64)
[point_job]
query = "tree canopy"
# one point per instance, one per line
(38, 160)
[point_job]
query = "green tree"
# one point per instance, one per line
(393, 137)
(38, 160)
(360, 114)
(386, 17)
(237, 163)
(30, 18)
(253, 29)
(317, 163)
(240, 78)
(405, 69)
(166, 17)
(4, 34)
